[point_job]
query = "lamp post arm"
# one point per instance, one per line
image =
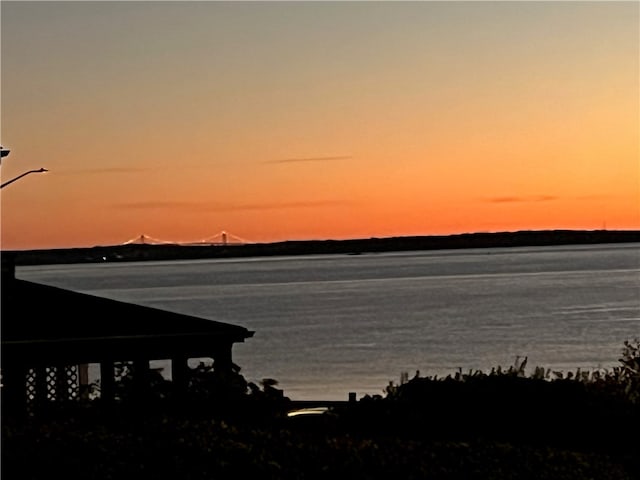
(23, 175)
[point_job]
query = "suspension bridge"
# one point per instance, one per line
(219, 239)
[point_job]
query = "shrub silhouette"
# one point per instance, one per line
(585, 408)
(501, 425)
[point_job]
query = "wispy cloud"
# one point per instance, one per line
(309, 159)
(151, 205)
(594, 197)
(209, 207)
(522, 199)
(286, 205)
(100, 171)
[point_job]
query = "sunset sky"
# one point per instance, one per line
(316, 120)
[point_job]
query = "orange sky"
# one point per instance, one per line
(310, 120)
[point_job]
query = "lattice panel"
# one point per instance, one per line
(53, 384)
(71, 382)
(30, 385)
(51, 378)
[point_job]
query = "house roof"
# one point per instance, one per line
(42, 320)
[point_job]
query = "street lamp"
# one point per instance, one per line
(40, 170)
(4, 153)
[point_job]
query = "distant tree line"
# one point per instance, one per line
(141, 252)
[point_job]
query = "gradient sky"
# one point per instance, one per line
(316, 120)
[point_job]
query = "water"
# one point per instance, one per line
(327, 325)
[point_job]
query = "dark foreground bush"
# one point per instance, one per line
(501, 425)
(168, 449)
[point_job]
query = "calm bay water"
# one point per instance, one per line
(326, 325)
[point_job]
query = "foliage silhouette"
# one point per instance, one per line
(499, 425)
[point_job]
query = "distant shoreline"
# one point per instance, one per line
(145, 252)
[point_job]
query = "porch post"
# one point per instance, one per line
(180, 374)
(141, 378)
(107, 381)
(222, 360)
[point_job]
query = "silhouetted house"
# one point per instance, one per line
(49, 333)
